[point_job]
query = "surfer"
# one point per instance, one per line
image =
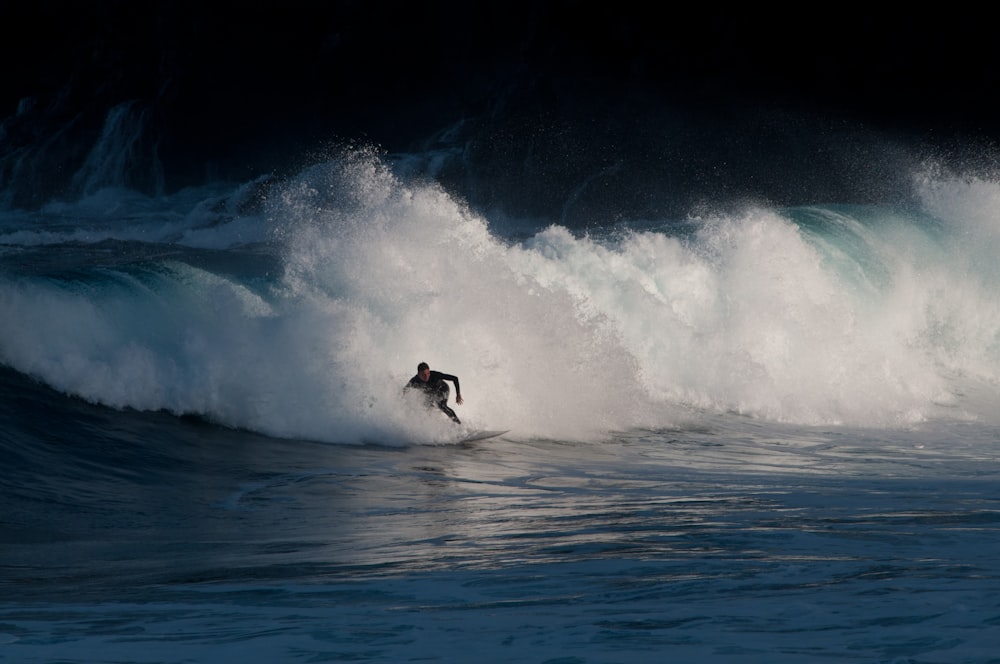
(435, 389)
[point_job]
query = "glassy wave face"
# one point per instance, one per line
(298, 307)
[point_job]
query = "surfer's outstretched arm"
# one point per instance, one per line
(458, 388)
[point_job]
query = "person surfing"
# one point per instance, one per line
(434, 388)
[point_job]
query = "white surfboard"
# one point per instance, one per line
(482, 435)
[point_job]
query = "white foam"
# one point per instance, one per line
(812, 316)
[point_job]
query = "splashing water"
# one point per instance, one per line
(305, 313)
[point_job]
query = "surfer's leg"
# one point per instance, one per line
(443, 391)
(443, 405)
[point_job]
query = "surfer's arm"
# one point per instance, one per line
(458, 388)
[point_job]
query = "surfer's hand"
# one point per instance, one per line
(459, 399)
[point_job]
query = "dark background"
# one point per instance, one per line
(661, 108)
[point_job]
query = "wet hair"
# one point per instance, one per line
(422, 366)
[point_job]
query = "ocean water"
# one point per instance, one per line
(761, 435)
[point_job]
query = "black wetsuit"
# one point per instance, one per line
(436, 391)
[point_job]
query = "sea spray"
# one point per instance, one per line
(745, 316)
(300, 308)
(419, 277)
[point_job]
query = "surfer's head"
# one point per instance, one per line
(424, 371)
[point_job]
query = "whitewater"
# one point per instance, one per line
(751, 434)
(298, 309)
